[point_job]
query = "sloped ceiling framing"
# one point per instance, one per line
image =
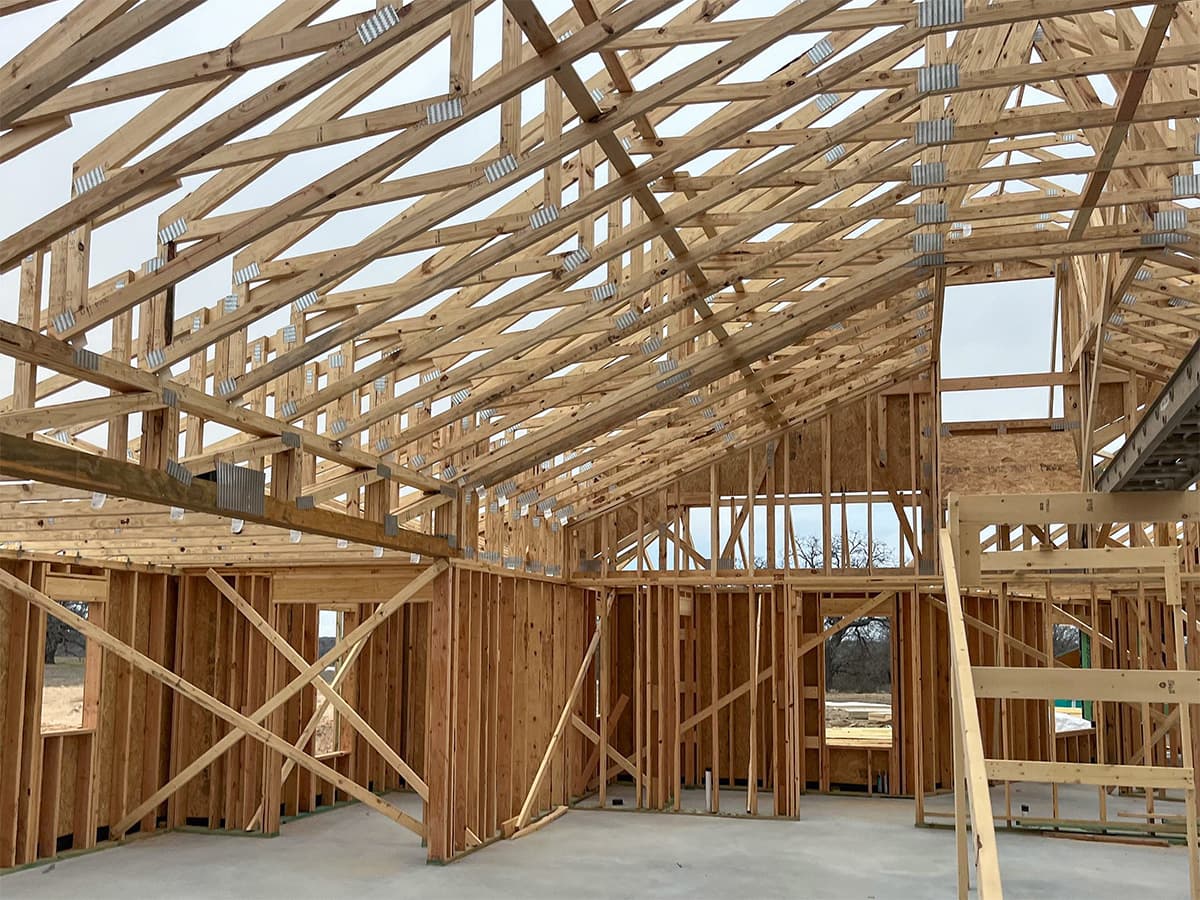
(658, 254)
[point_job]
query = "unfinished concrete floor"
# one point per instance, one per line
(843, 847)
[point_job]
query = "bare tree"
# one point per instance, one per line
(810, 552)
(61, 637)
(859, 657)
(1066, 639)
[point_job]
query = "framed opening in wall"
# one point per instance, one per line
(858, 700)
(70, 672)
(331, 627)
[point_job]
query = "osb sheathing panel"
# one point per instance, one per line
(850, 455)
(1012, 462)
(1110, 403)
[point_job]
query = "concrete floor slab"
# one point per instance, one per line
(841, 848)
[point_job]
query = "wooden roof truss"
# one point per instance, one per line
(657, 254)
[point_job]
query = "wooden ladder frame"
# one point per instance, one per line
(962, 557)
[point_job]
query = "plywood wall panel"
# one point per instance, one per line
(1040, 462)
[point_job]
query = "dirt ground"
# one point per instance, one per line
(841, 717)
(62, 695)
(325, 735)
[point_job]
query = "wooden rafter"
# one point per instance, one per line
(584, 300)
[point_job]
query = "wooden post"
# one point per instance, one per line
(437, 711)
(604, 676)
(754, 611)
(1186, 760)
(960, 797)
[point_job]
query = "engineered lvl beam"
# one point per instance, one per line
(22, 458)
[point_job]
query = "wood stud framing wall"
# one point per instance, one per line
(627, 322)
(680, 708)
(509, 652)
(1142, 682)
(349, 408)
(138, 734)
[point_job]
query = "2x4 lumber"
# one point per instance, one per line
(579, 43)
(239, 56)
(594, 736)
(16, 141)
(86, 17)
(962, 860)
(1124, 685)
(242, 725)
(846, 621)
(62, 415)
(1051, 560)
(577, 94)
(1030, 380)
(543, 327)
(299, 663)
(794, 324)
(1100, 324)
(26, 344)
(540, 823)
(1077, 509)
(302, 680)
(970, 734)
(854, 390)
(500, 393)
(1008, 639)
(439, 717)
(1077, 773)
(236, 453)
(22, 458)
(109, 40)
(735, 388)
(28, 316)
(324, 107)
(383, 157)
(8, 7)
(1093, 632)
(725, 699)
(729, 188)
(1187, 752)
(163, 163)
(681, 465)
(308, 137)
(1131, 96)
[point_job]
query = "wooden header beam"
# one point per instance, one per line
(52, 464)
